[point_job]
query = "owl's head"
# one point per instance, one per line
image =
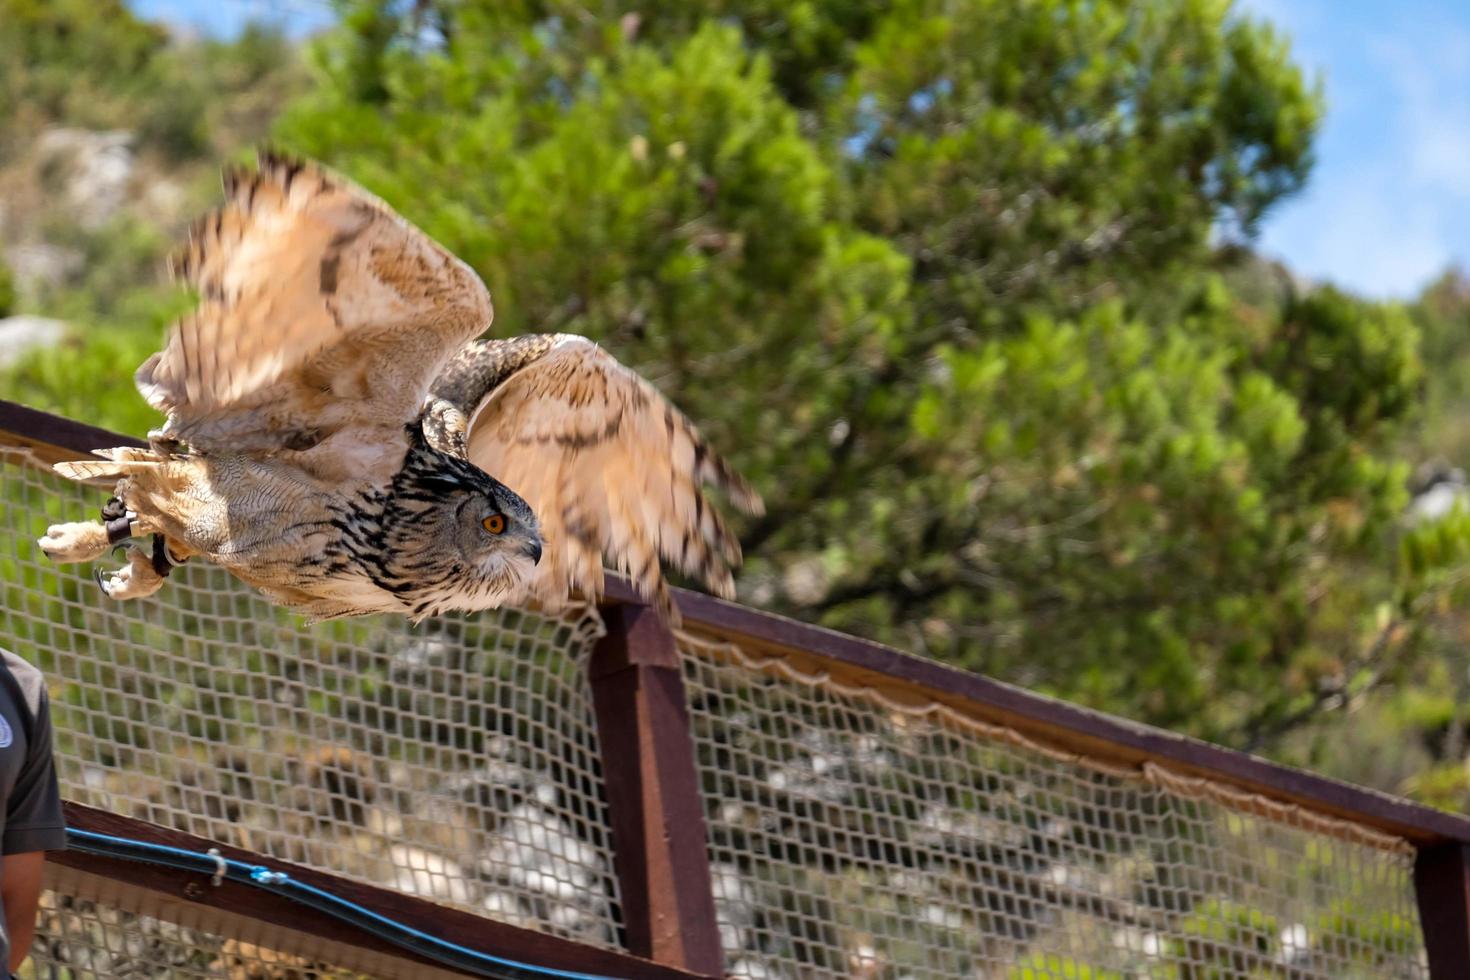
(494, 529)
(456, 536)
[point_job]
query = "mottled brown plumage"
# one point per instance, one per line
(332, 428)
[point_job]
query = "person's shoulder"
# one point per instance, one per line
(28, 678)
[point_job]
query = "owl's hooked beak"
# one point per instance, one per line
(533, 551)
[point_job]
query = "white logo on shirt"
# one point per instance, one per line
(6, 736)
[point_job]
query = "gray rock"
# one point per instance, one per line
(428, 875)
(1441, 492)
(414, 658)
(735, 906)
(19, 334)
(97, 167)
(750, 968)
(503, 906)
(535, 850)
(535, 855)
(39, 265)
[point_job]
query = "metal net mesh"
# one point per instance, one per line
(854, 836)
(851, 835)
(456, 761)
(82, 939)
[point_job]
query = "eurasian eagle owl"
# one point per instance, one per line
(333, 426)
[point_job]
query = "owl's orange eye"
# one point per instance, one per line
(495, 523)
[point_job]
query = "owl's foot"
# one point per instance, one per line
(77, 541)
(135, 580)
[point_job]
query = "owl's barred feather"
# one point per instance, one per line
(120, 462)
(332, 427)
(84, 470)
(320, 309)
(611, 468)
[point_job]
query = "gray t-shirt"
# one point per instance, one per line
(30, 819)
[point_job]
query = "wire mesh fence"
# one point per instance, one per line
(850, 835)
(854, 836)
(91, 927)
(81, 939)
(456, 761)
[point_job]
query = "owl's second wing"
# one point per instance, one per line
(610, 467)
(320, 308)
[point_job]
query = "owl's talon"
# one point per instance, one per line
(77, 541)
(135, 580)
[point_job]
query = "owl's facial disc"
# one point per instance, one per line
(499, 529)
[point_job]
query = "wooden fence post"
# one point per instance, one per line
(1442, 885)
(656, 809)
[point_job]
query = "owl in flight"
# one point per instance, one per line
(337, 438)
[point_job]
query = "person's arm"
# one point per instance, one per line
(20, 890)
(33, 824)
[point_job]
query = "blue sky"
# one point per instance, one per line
(224, 18)
(1388, 206)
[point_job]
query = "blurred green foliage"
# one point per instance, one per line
(1049, 966)
(95, 64)
(87, 62)
(946, 280)
(7, 290)
(965, 288)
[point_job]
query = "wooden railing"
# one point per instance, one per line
(654, 797)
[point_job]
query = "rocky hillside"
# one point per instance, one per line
(111, 140)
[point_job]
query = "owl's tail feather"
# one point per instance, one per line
(120, 462)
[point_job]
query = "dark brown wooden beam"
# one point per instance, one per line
(463, 928)
(53, 437)
(654, 803)
(1442, 883)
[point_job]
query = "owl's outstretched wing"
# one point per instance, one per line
(612, 470)
(320, 308)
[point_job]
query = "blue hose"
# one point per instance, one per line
(451, 954)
